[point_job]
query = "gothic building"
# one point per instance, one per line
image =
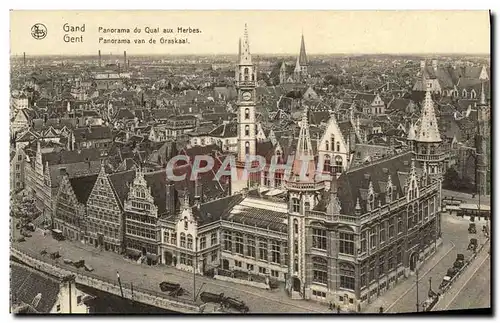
(300, 72)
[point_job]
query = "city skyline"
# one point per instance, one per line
(389, 32)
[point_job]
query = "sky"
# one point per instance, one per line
(270, 32)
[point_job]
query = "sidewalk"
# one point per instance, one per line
(392, 296)
(467, 198)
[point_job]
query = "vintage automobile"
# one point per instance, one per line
(168, 287)
(68, 261)
(472, 228)
(79, 263)
(472, 244)
(22, 239)
(460, 261)
(236, 304)
(55, 255)
(25, 234)
(445, 282)
(88, 268)
(43, 252)
(452, 271)
(207, 297)
(30, 227)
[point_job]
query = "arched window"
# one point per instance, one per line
(247, 113)
(247, 147)
(327, 145)
(189, 241)
(338, 146)
(472, 94)
(295, 205)
(320, 270)
(371, 202)
(307, 206)
(295, 226)
(245, 71)
(347, 276)
(464, 93)
(183, 240)
(338, 164)
(185, 223)
(247, 130)
(195, 142)
(327, 164)
(246, 77)
(203, 141)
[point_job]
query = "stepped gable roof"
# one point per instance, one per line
(26, 283)
(354, 183)
(82, 187)
(120, 182)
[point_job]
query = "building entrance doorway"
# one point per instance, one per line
(296, 284)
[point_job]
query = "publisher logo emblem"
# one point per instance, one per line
(39, 31)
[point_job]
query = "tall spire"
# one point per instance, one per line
(483, 95)
(304, 146)
(302, 57)
(245, 56)
(428, 130)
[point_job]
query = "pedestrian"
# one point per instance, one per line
(330, 306)
(338, 308)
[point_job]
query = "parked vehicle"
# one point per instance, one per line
(79, 263)
(26, 234)
(472, 244)
(55, 255)
(472, 228)
(43, 252)
(207, 297)
(445, 282)
(169, 287)
(57, 234)
(236, 304)
(460, 261)
(88, 268)
(68, 261)
(30, 227)
(22, 239)
(452, 272)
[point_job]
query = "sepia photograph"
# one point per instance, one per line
(250, 162)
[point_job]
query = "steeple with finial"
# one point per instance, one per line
(245, 56)
(428, 130)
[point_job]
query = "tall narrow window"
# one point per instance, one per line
(319, 239)
(247, 130)
(247, 113)
(228, 243)
(238, 240)
(247, 148)
(183, 240)
(296, 205)
(346, 243)
(327, 145)
(251, 246)
(275, 252)
(189, 241)
(320, 270)
(295, 226)
(263, 249)
(347, 276)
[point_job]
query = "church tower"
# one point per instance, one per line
(304, 190)
(483, 145)
(246, 81)
(300, 71)
(283, 75)
(427, 139)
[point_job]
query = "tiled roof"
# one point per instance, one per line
(92, 133)
(354, 183)
(82, 187)
(226, 130)
(26, 283)
(121, 183)
(70, 156)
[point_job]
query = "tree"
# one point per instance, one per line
(451, 179)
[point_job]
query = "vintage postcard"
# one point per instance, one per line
(250, 162)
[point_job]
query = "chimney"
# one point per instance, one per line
(170, 197)
(99, 58)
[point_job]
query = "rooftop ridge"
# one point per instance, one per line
(378, 161)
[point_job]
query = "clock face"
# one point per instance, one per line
(246, 96)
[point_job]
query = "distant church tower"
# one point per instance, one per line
(304, 191)
(483, 144)
(300, 71)
(246, 81)
(427, 140)
(283, 75)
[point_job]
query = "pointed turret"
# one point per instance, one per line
(483, 95)
(297, 66)
(304, 153)
(333, 206)
(245, 56)
(411, 132)
(428, 130)
(302, 57)
(357, 208)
